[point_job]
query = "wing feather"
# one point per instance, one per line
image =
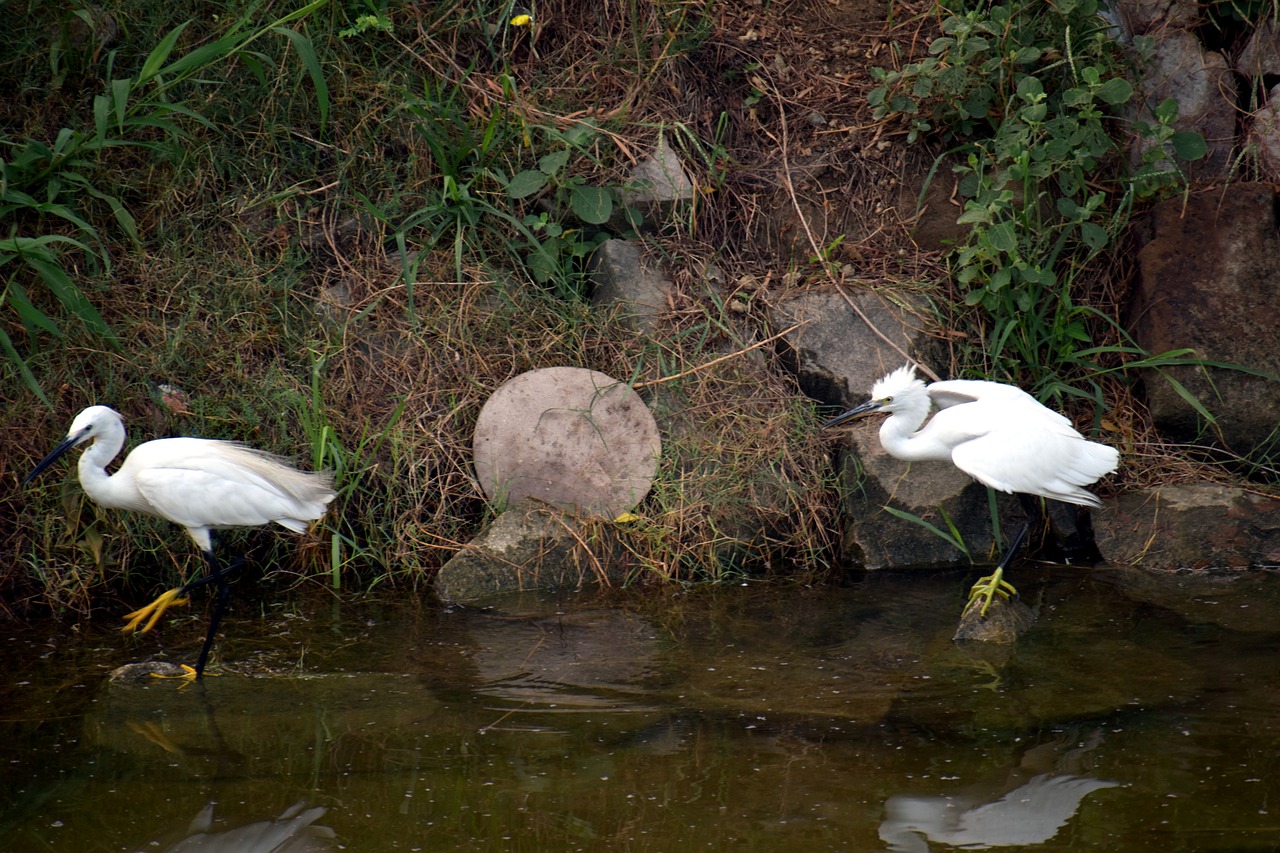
(206, 483)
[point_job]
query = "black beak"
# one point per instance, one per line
(65, 445)
(869, 406)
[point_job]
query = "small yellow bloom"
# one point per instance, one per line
(522, 21)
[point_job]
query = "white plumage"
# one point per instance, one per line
(996, 433)
(198, 483)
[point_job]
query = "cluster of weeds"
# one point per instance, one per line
(49, 187)
(1032, 97)
(732, 494)
(332, 234)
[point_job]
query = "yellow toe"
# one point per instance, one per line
(152, 612)
(188, 675)
(986, 590)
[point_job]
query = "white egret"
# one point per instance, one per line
(198, 483)
(996, 433)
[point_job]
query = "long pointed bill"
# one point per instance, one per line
(65, 445)
(869, 406)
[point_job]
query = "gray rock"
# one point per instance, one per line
(530, 546)
(639, 291)
(1196, 79)
(1141, 17)
(1221, 301)
(938, 493)
(1198, 526)
(658, 186)
(837, 355)
(1261, 52)
(1262, 128)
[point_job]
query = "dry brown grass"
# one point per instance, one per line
(251, 277)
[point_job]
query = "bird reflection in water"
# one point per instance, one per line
(1004, 814)
(294, 831)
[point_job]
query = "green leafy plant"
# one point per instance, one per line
(480, 206)
(1030, 93)
(46, 187)
(568, 197)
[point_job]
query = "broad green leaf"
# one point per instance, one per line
(256, 67)
(552, 163)
(160, 53)
(120, 90)
(28, 378)
(1117, 90)
(1075, 329)
(155, 119)
(580, 134)
(1188, 144)
(31, 316)
(543, 262)
(202, 56)
(101, 117)
(1167, 111)
(55, 278)
(1002, 237)
(24, 245)
(1094, 235)
(526, 183)
(591, 204)
(1030, 88)
(1076, 97)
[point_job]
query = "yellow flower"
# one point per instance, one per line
(522, 21)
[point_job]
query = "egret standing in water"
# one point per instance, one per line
(198, 483)
(996, 433)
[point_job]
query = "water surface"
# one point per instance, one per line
(1139, 713)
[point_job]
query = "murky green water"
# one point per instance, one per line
(1138, 714)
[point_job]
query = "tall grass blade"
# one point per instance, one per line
(307, 53)
(61, 286)
(20, 364)
(160, 54)
(951, 538)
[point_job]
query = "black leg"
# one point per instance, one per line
(1015, 545)
(217, 576)
(987, 588)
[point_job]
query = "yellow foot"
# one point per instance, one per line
(986, 589)
(154, 610)
(188, 675)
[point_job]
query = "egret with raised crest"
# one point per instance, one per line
(996, 433)
(198, 483)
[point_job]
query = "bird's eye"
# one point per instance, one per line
(888, 399)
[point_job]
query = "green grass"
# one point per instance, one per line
(337, 227)
(467, 210)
